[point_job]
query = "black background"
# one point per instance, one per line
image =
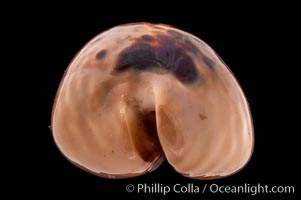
(255, 42)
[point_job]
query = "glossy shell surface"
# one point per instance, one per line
(140, 93)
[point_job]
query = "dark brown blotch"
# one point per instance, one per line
(184, 42)
(170, 55)
(101, 55)
(175, 34)
(147, 38)
(202, 117)
(209, 62)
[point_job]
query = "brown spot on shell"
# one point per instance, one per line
(101, 54)
(147, 38)
(202, 117)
